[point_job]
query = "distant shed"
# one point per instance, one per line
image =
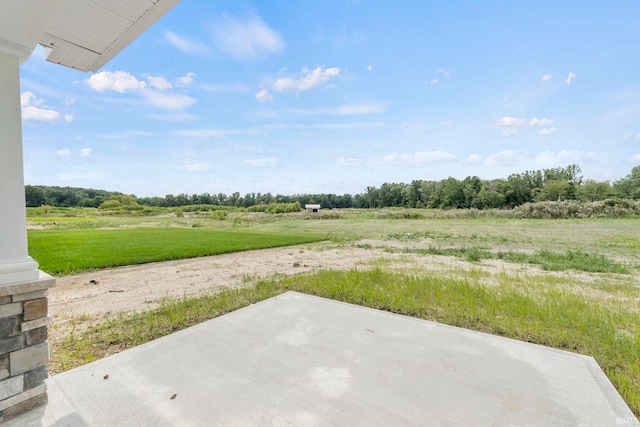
(312, 208)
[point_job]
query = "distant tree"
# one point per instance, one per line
(591, 191)
(120, 200)
(34, 196)
(427, 190)
(372, 197)
(554, 190)
(629, 186)
(452, 194)
(488, 199)
(570, 173)
(471, 186)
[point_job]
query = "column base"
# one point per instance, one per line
(24, 349)
(19, 270)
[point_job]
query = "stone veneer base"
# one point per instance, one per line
(24, 349)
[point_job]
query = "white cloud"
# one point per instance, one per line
(187, 79)
(28, 98)
(168, 101)
(371, 107)
(31, 109)
(228, 88)
(191, 165)
(63, 152)
(201, 133)
(185, 45)
(509, 131)
(410, 126)
(635, 159)
(548, 131)
(541, 122)
(263, 95)
(39, 114)
(85, 152)
(307, 79)
(570, 78)
(546, 77)
(179, 116)
(267, 162)
(418, 159)
(358, 109)
(159, 82)
(510, 126)
(565, 157)
(505, 158)
(348, 161)
(246, 39)
(117, 81)
(370, 68)
(510, 121)
(68, 118)
(343, 126)
(197, 167)
(474, 159)
(213, 133)
(444, 72)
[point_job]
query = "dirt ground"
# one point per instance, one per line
(80, 300)
(98, 295)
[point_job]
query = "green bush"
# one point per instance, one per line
(610, 208)
(276, 208)
(219, 215)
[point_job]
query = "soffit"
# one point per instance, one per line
(81, 34)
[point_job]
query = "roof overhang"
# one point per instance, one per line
(81, 34)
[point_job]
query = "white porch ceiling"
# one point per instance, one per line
(81, 34)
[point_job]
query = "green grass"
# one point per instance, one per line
(571, 260)
(530, 310)
(74, 251)
(593, 314)
(548, 260)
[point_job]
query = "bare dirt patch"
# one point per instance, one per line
(81, 300)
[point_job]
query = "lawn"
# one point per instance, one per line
(568, 284)
(75, 251)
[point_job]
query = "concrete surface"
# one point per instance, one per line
(298, 360)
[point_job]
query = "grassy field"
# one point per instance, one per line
(571, 284)
(75, 251)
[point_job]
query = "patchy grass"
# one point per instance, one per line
(527, 309)
(74, 251)
(597, 317)
(548, 260)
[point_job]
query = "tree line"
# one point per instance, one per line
(554, 184)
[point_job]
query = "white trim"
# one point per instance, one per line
(14, 49)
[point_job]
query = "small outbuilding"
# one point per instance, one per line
(312, 208)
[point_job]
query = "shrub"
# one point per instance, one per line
(276, 208)
(219, 215)
(610, 208)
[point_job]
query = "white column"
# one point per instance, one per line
(15, 263)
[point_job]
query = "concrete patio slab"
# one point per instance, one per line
(299, 360)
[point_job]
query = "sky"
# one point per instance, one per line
(334, 96)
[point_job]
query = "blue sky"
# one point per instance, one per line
(331, 97)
